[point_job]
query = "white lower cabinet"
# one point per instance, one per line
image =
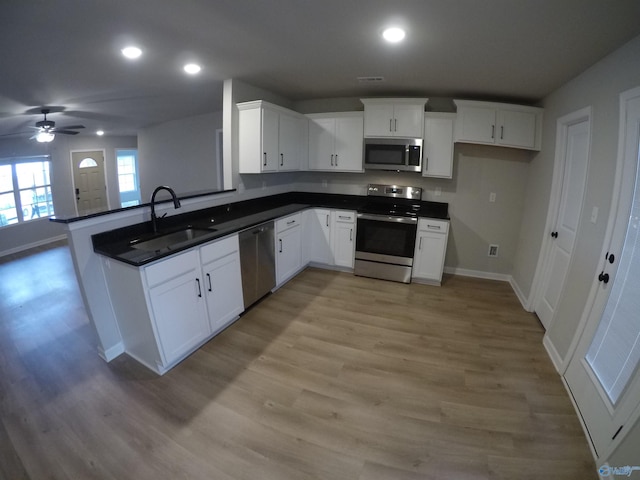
(329, 237)
(177, 305)
(288, 247)
(430, 250)
(222, 281)
(316, 243)
(343, 237)
(167, 309)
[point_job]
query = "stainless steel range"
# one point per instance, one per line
(386, 232)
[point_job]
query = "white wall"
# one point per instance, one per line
(181, 154)
(599, 87)
(14, 238)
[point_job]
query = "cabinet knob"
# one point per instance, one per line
(554, 234)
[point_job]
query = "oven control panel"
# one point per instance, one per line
(394, 191)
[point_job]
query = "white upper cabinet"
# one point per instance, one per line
(335, 142)
(437, 155)
(393, 117)
(271, 138)
(502, 124)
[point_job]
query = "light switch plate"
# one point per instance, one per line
(492, 197)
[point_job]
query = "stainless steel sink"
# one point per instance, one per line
(171, 240)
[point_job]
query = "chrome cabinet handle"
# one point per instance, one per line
(280, 244)
(395, 124)
(332, 160)
(327, 220)
(351, 235)
(209, 278)
(199, 290)
(282, 159)
(290, 222)
(501, 132)
(390, 128)
(420, 244)
(264, 160)
(436, 227)
(493, 131)
(336, 159)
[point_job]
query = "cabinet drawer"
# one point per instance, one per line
(285, 223)
(345, 216)
(171, 267)
(219, 248)
(432, 225)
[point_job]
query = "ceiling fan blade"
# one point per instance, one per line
(14, 134)
(71, 127)
(65, 132)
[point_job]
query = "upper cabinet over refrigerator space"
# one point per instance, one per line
(394, 117)
(501, 124)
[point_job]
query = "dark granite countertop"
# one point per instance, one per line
(227, 219)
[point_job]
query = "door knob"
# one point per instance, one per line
(603, 277)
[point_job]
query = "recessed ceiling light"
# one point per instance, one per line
(393, 34)
(131, 52)
(192, 68)
(100, 133)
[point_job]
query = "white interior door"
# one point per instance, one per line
(603, 373)
(573, 151)
(89, 181)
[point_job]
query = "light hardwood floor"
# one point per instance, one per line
(332, 377)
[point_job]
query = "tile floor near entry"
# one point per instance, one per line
(331, 377)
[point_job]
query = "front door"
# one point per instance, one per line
(89, 181)
(573, 153)
(603, 373)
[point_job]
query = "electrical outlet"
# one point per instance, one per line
(325, 183)
(438, 191)
(264, 185)
(493, 250)
(492, 197)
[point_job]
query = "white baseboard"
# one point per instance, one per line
(553, 354)
(502, 277)
(524, 301)
(111, 352)
(28, 246)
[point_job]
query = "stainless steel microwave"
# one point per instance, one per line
(401, 154)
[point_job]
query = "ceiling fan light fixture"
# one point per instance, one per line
(45, 137)
(131, 52)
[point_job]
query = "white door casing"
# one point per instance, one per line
(606, 421)
(572, 152)
(89, 181)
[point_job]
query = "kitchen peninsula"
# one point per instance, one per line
(112, 253)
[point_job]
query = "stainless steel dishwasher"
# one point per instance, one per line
(257, 261)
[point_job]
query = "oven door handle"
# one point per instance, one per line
(387, 218)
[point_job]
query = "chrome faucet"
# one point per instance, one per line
(176, 204)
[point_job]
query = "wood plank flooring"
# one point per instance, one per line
(331, 377)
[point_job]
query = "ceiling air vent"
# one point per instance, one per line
(370, 80)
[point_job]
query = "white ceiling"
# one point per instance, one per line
(65, 54)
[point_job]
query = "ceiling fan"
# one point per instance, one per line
(47, 128)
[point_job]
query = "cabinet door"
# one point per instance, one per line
(438, 147)
(288, 254)
(290, 142)
(407, 120)
(378, 120)
(317, 238)
(179, 311)
(223, 290)
(348, 144)
(270, 140)
(343, 242)
(516, 129)
(322, 143)
(428, 261)
(476, 124)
